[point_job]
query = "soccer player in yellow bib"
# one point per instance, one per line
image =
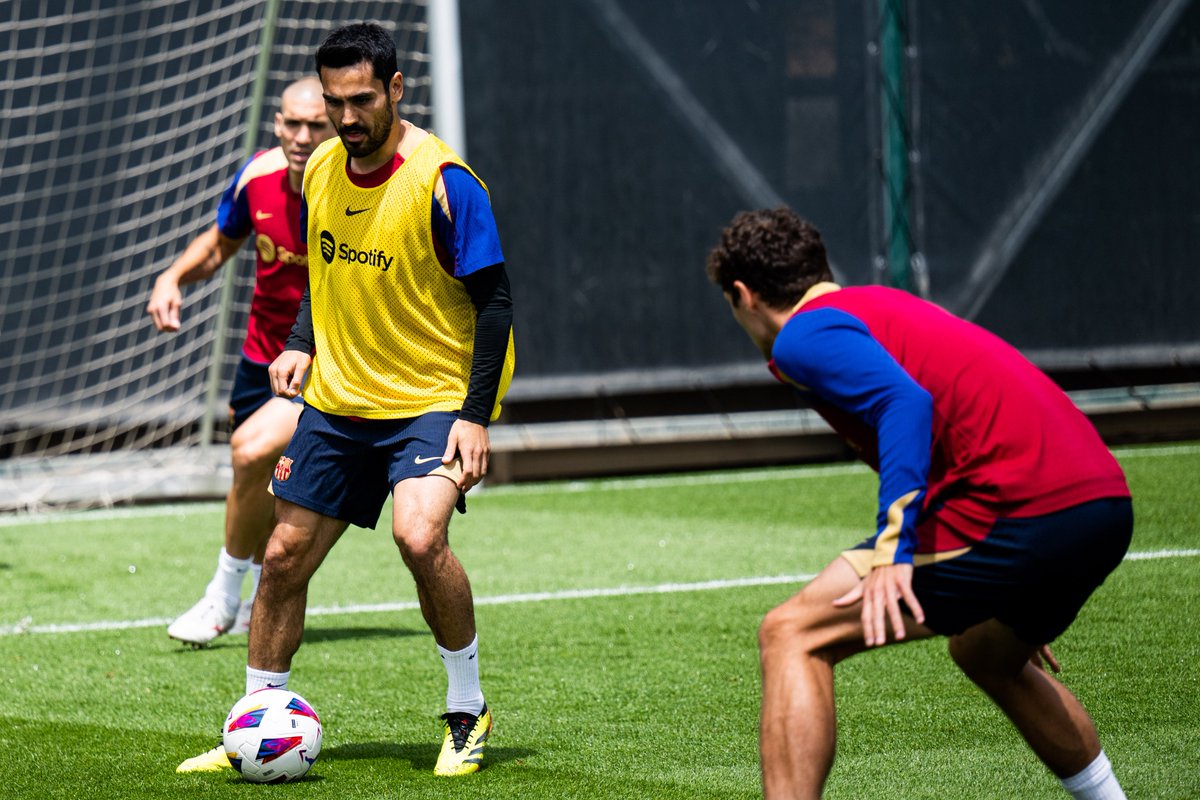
(403, 349)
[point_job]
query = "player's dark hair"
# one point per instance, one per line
(354, 44)
(774, 252)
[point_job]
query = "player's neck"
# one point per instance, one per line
(410, 139)
(295, 180)
(815, 291)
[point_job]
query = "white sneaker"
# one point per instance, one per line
(203, 622)
(242, 623)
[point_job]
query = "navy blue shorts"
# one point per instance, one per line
(251, 391)
(1033, 574)
(346, 468)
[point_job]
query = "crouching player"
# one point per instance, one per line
(1000, 509)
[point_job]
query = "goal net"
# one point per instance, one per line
(122, 123)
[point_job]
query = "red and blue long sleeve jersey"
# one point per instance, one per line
(961, 428)
(260, 200)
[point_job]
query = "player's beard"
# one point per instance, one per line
(380, 130)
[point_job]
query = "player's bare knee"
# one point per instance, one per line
(784, 626)
(420, 543)
(276, 560)
(285, 558)
(250, 455)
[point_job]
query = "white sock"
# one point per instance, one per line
(226, 583)
(255, 577)
(261, 679)
(462, 673)
(1095, 782)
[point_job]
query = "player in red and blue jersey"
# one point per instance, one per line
(263, 200)
(1000, 509)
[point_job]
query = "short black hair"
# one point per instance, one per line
(774, 252)
(354, 44)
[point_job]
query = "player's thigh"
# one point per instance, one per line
(421, 510)
(810, 621)
(266, 432)
(333, 466)
(301, 540)
(424, 491)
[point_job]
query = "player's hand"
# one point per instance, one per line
(287, 372)
(469, 441)
(1044, 659)
(165, 302)
(881, 593)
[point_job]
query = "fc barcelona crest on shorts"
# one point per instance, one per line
(283, 469)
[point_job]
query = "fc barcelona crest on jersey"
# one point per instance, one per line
(283, 470)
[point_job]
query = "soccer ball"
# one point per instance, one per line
(272, 736)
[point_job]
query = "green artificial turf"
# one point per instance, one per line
(618, 649)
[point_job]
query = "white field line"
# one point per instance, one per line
(1150, 554)
(26, 626)
(1165, 450)
(601, 484)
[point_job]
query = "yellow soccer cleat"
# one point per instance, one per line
(209, 761)
(462, 748)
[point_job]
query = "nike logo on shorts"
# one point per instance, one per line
(425, 459)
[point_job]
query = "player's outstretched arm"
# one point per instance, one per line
(287, 372)
(203, 257)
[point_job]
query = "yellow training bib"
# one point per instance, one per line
(394, 332)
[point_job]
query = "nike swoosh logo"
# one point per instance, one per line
(351, 212)
(422, 460)
(261, 215)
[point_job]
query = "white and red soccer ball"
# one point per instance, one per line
(272, 736)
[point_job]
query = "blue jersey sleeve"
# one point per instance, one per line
(471, 241)
(233, 212)
(833, 355)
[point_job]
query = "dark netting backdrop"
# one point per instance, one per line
(1053, 155)
(618, 137)
(617, 140)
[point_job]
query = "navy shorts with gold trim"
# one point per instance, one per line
(346, 468)
(1033, 573)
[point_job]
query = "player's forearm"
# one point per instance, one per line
(201, 259)
(903, 421)
(896, 542)
(490, 293)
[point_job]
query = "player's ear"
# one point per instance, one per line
(278, 124)
(741, 296)
(396, 88)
